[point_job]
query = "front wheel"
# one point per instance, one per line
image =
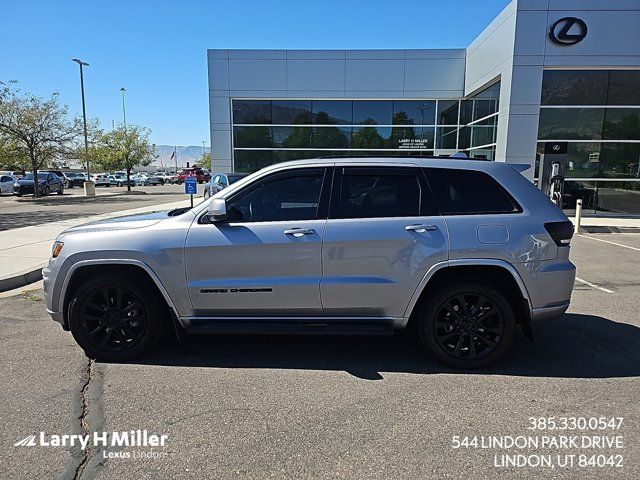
(46, 190)
(206, 193)
(114, 318)
(60, 190)
(467, 325)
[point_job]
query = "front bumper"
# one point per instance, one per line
(47, 286)
(23, 190)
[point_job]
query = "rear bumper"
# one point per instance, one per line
(549, 312)
(549, 285)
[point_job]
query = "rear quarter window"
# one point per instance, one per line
(468, 192)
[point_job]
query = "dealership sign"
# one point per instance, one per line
(568, 31)
(555, 148)
(413, 143)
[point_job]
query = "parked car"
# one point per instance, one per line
(60, 175)
(221, 181)
(6, 183)
(459, 251)
(75, 179)
(101, 179)
(47, 182)
(15, 173)
(144, 180)
(119, 180)
(162, 177)
(202, 176)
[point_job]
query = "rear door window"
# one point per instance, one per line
(378, 192)
(468, 192)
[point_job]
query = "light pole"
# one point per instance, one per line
(84, 111)
(124, 113)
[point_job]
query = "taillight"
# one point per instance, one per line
(561, 232)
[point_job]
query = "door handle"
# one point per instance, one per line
(421, 228)
(299, 232)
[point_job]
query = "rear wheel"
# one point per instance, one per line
(467, 325)
(46, 190)
(114, 318)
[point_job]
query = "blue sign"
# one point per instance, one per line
(191, 185)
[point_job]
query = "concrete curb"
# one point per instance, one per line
(20, 280)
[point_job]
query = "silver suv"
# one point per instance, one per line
(459, 251)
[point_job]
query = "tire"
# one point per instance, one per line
(119, 184)
(103, 334)
(46, 190)
(439, 323)
(61, 191)
(206, 194)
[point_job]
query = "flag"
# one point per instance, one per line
(173, 155)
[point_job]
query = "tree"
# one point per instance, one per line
(205, 161)
(36, 129)
(402, 130)
(367, 137)
(124, 148)
(12, 157)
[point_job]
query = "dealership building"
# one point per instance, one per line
(544, 73)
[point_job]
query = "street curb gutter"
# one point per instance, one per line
(20, 280)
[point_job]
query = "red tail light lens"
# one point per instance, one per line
(561, 232)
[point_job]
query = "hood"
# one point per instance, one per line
(29, 183)
(139, 220)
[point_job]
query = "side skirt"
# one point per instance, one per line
(290, 325)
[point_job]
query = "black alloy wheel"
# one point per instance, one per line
(114, 318)
(467, 325)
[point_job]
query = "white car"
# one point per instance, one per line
(101, 179)
(142, 180)
(6, 184)
(165, 177)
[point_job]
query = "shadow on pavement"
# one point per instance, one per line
(575, 346)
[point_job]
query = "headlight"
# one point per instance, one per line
(57, 248)
(16, 184)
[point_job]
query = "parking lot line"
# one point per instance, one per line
(593, 285)
(609, 241)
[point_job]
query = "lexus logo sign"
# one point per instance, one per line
(568, 31)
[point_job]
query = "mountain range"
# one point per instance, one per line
(191, 154)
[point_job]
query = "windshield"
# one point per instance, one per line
(41, 176)
(235, 178)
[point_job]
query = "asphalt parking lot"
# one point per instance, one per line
(321, 407)
(17, 212)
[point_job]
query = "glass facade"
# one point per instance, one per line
(598, 113)
(267, 131)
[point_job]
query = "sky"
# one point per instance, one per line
(157, 50)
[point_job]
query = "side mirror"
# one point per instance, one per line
(217, 210)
